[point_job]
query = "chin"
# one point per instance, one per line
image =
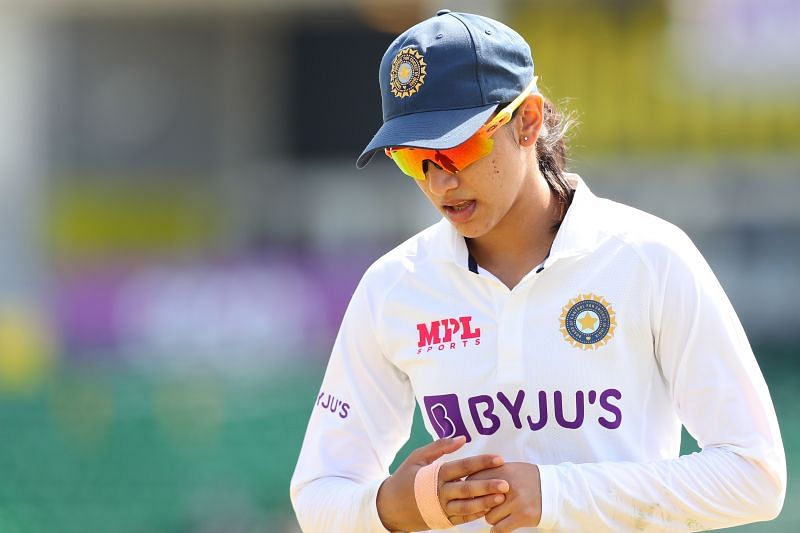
(470, 230)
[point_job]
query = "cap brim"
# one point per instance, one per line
(432, 129)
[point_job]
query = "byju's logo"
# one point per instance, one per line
(447, 334)
(445, 416)
(331, 403)
(444, 411)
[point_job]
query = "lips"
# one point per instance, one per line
(459, 211)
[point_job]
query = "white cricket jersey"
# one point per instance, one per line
(586, 368)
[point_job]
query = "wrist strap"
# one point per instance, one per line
(426, 492)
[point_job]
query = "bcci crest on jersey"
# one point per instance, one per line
(588, 321)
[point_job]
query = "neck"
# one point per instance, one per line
(522, 239)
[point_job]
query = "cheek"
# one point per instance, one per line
(423, 188)
(503, 183)
(496, 173)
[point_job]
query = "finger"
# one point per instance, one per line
(473, 505)
(455, 490)
(507, 525)
(459, 468)
(456, 520)
(498, 513)
(430, 452)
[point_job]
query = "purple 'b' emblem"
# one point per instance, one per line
(444, 415)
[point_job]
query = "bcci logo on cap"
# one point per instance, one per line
(407, 73)
(588, 321)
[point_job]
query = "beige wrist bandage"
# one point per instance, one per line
(426, 492)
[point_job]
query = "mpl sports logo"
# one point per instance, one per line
(531, 412)
(447, 334)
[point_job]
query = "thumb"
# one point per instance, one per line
(431, 452)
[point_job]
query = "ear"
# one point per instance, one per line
(530, 119)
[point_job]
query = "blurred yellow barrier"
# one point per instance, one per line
(621, 71)
(91, 217)
(26, 349)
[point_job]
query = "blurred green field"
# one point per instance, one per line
(104, 447)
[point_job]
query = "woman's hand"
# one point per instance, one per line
(462, 500)
(523, 505)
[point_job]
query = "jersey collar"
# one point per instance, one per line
(580, 230)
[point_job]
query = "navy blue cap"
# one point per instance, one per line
(442, 79)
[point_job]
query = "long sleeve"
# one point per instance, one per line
(719, 393)
(362, 417)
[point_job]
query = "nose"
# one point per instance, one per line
(440, 181)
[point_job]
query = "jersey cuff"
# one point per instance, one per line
(375, 524)
(548, 476)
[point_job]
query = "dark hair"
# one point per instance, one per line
(551, 152)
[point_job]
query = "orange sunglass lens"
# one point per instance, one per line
(467, 153)
(443, 160)
(453, 160)
(409, 160)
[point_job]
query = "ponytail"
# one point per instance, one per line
(551, 152)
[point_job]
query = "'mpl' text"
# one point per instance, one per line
(447, 334)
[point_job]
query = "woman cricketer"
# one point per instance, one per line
(554, 341)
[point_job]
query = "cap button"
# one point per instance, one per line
(442, 12)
